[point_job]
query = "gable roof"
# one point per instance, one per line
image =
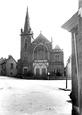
(5, 60)
(1, 60)
(41, 38)
(57, 49)
(10, 57)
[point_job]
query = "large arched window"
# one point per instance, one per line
(41, 52)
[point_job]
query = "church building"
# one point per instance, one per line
(37, 55)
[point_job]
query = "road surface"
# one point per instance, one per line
(34, 97)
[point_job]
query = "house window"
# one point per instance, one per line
(11, 67)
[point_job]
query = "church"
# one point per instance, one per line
(37, 55)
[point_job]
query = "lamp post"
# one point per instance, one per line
(66, 75)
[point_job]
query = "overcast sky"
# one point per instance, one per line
(45, 15)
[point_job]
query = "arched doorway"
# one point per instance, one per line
(43, 71)
(37, 71)
(40, 69)
(57, 72)
(25, 70)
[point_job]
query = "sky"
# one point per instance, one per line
(46, 16)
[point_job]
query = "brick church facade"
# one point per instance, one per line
(37, 55)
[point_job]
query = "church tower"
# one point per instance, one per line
(26, 37)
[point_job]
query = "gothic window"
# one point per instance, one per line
(40, 53)
(25, 44)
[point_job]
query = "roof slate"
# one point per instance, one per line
(71, 23)
(41, 38)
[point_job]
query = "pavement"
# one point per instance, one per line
(34, 97)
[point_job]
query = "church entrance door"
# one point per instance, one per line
(43, 71)
(40, 67)
(58, 73)
(25, 70)
(37, 71)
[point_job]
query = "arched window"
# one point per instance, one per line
(40, 53)
(25, 70)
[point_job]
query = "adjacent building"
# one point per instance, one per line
(8, 67)
(1, 60)
(72, 26)
(37, 55)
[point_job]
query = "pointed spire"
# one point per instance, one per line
(40, 32)
(27, 24)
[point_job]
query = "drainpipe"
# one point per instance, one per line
(80, 56)
(75, 42)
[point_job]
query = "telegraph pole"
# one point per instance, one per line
(79, 47)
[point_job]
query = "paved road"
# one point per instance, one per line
(33, 97)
